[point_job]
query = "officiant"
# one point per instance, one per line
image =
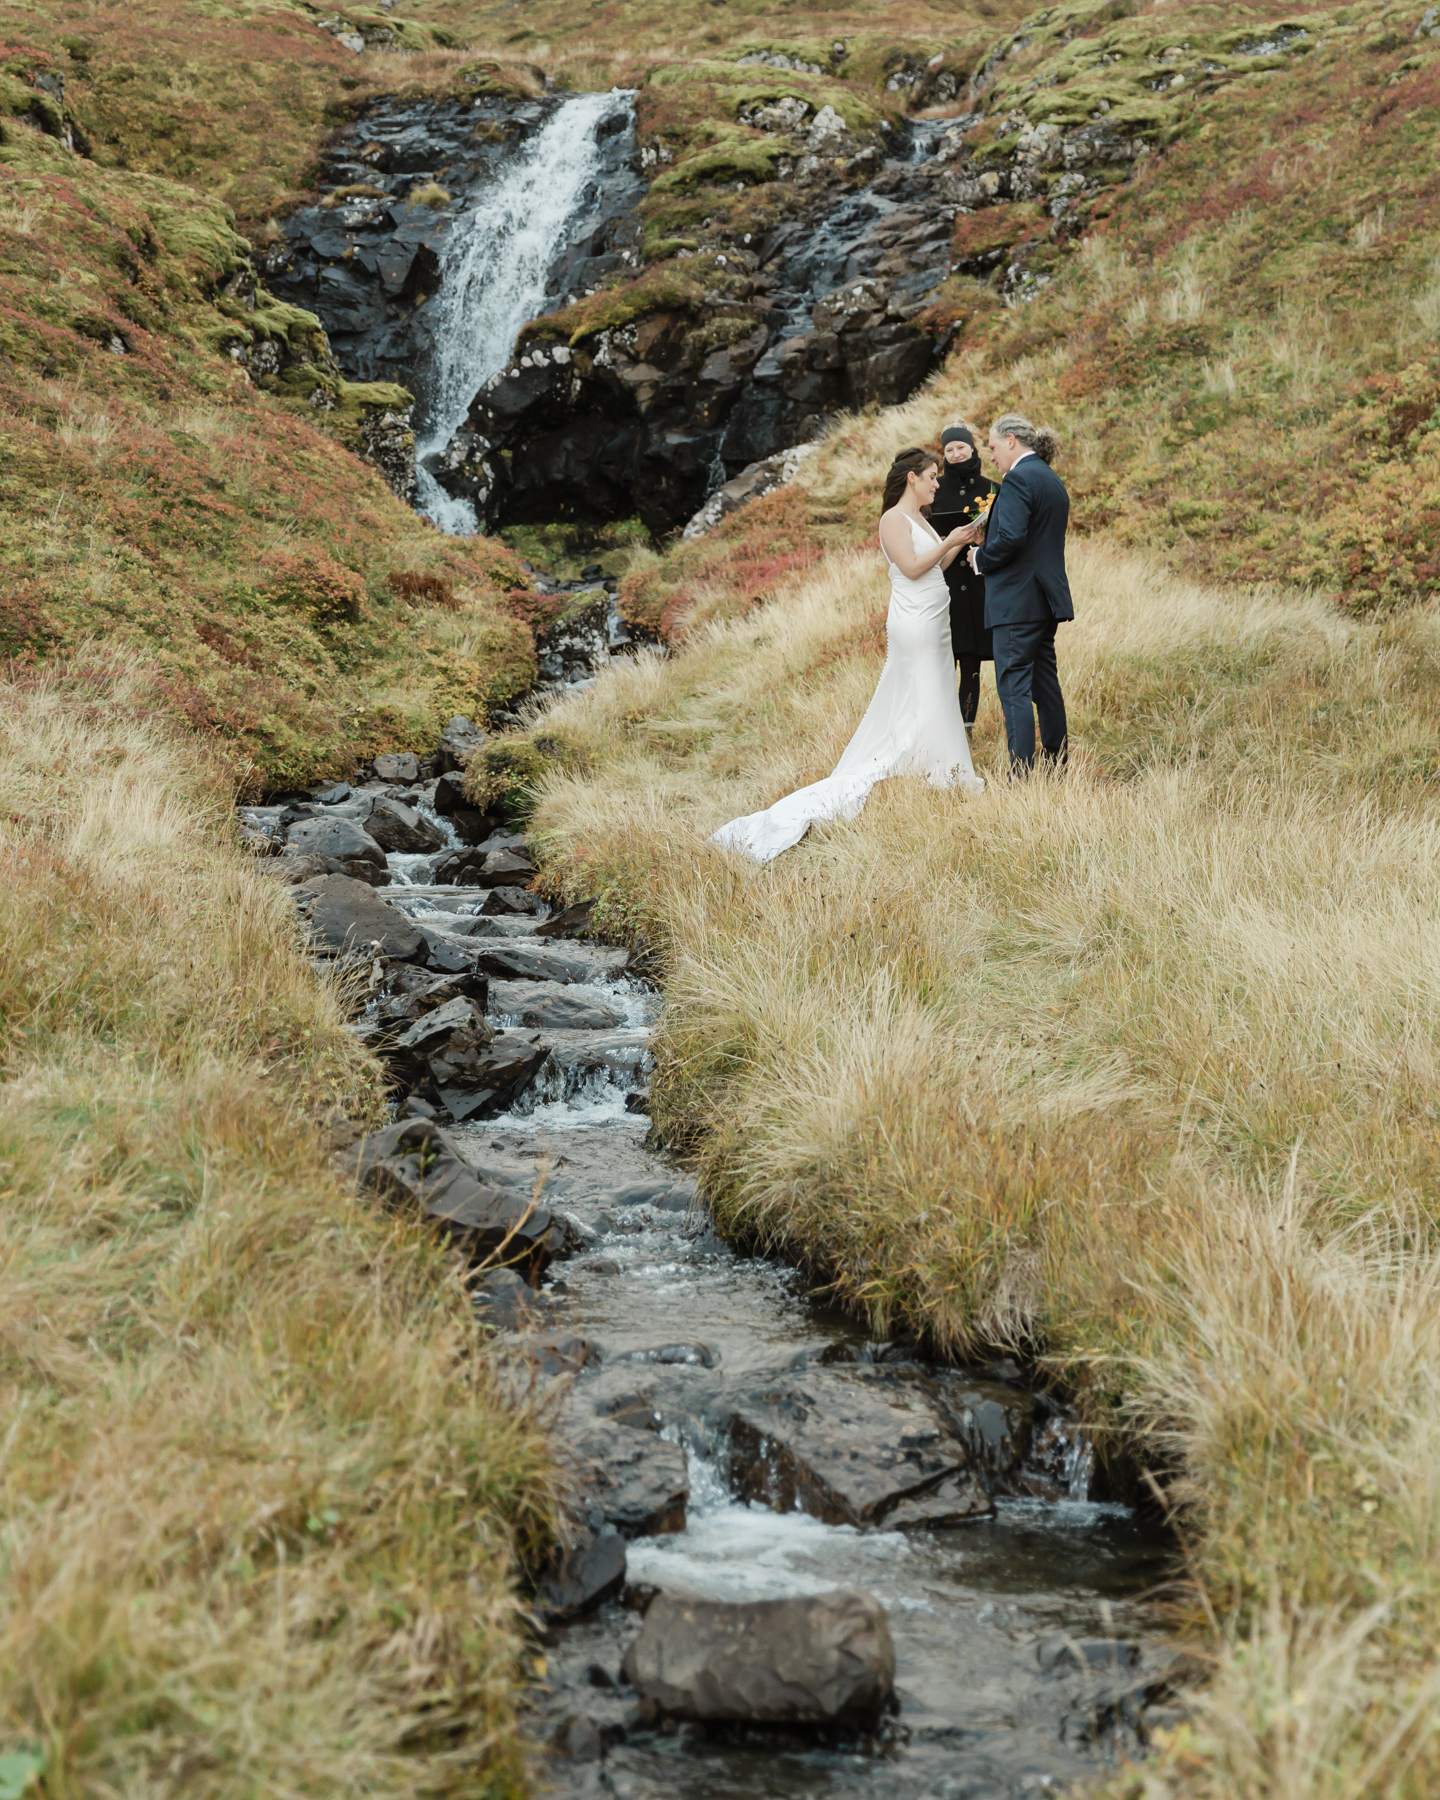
(963, 490)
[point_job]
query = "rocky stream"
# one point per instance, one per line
(800, 1561)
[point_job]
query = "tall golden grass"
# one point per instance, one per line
(1135, 1069)
(260, 1504)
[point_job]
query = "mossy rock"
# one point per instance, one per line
(667, 287)
(504, 776)
(735, 155)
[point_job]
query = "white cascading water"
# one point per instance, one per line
(492, 280)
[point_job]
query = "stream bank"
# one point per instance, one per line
(730, 1438)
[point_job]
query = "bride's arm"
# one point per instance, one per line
(900, 548)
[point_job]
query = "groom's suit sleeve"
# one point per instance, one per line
(1008, 527)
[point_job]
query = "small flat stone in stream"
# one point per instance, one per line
(343, 844)
(574, 921)
(416, 1163)
(508, 1302)
(522, 959)
(398, 827)
(591, 1572)
(552, 1353)
(662, 1196)
(510, 900)
(403, 767)
(445, 951)
(1105, 1655)
(827, 1659)
(348, 915)
(840, 1447)
(958, 1501)
(640, 1483)
(484, 868)
(554, 1003)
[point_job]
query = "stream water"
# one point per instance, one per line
(492, 281)
(1028, 1653)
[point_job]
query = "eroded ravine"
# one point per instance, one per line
(731, 1437)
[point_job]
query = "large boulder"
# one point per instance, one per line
(349, 917)
(346, 848)
(416, 1164)
(396, 826)
(827, 1659)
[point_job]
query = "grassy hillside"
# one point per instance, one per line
(262, 1505)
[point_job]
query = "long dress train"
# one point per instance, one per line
(911, 727)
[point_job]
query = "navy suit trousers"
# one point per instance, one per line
(1026, 677)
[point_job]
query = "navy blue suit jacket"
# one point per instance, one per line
(1023, 556)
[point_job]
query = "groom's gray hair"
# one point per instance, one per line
(1039, 438)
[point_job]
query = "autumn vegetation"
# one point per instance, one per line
(1133, 1072)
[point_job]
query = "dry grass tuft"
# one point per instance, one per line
(1136, 1068)
(261, 1502)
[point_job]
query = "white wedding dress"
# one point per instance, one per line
(911, 727)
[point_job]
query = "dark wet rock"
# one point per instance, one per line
(640, 1483)
(396, 826)
(1062, 1652)
(591, 1572)
(573, 644)
(661, 1195)
(591, 1059)
(508, 1302)
(472, 826)
(348, 916)
(844, 1448)
(459, 741)
(552, 1003)
(415, 1163)
(602, 1265)
(960, 1500)
(552, 1353)
(571, 921)
(687, 1355)
(446, 951)
(411, 993)
(330, 793)
(578, 1738)
(473, 1070)
(753, 482)
(348, 849)
(996, 1423)
(510, 900)
(481, 867)
(404, 766)
(635, 1411)
(827, 1659)
(517, 959)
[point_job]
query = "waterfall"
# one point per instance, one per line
(492, 281)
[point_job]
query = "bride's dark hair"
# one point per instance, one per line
(908, 462)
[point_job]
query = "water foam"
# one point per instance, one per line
(492, 281)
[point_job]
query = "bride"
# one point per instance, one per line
(913, 724)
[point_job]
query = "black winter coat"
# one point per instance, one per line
(968, 636)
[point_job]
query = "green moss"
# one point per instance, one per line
(671, 286)
(735, 155)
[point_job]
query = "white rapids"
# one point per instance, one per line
(492, 281)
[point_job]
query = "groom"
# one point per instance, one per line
(1026, 591)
